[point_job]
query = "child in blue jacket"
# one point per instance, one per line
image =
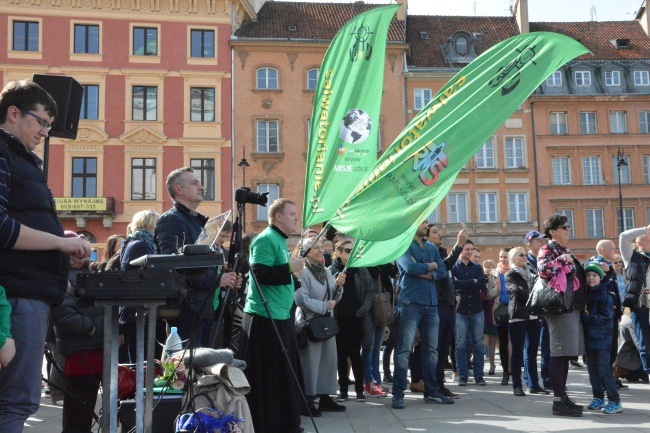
(598, 321)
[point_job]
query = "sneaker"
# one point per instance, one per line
(561, 409)
(361, 396)
(567, 401)
(367, 388)
(612, 408)
(438, 397)
(518, 392)
(480, 381)
(398, 403)
(388, 378)
(328, 405)
(596, 403)
(447, 392)
(576, 363)
(454, 376)
(377, 391)
(462, 382)
(417, 387)
(538, 390)
(342, 397)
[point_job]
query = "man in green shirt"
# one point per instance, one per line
(274, 399)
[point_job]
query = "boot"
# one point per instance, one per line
(506, 378)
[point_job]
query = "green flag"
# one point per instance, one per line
(345, 117)
(375, 253)
(419, 168)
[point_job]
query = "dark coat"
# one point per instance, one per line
(518, 293)
(73, 324)
(598, 319)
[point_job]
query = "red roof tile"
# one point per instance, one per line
(313, 21)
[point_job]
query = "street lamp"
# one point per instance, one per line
(621, 164)
(243, 164)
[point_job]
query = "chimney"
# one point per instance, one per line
(521, 16)
(643, 18)
(401, 12)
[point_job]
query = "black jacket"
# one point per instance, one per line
(24, 273)
(73, 324)
(637, 270)
(518, 293)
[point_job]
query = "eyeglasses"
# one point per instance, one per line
(44, 123)
(347, 250)
(564, 227)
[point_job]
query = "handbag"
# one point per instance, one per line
(322, 327)
(545, 300)
(382, 308)
(501, 315)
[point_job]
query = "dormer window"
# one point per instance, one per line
(425, 36)
(621, 44)
(293, 28)
(460, 47)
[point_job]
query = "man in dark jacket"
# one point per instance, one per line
(181, 225)
(33, 252)
(469, 282)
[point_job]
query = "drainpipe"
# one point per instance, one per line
(532, 116)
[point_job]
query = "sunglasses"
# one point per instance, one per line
(564, 227)
(347, 250)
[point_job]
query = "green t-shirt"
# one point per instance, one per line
(269, 248)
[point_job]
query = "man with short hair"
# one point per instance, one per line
(274, 398)
(34, 253)
(417, 309)
(182, 225)
(476, 256)
(469, 283)
(637, 296)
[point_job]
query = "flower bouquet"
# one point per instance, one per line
(174, 374)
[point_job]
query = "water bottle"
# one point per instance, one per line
(173, 343)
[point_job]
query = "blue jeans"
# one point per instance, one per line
(642, 334)
(370, 358)
(524, 337)
(20, 381)
(469, 329)
(410, 317)
(600, 375)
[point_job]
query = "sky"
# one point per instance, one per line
(538, 10)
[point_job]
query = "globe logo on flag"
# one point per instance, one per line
(355, 126)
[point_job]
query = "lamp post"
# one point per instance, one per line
(620, 164)
(243, 164)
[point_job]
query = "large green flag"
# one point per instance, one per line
(419, 168)
(345, 117)
(375, 253)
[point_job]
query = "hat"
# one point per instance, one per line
(595, 268)
(532, 235)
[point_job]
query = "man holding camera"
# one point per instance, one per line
(182, 225)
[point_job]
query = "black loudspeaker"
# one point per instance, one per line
(67, 93)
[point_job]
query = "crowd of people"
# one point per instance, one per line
(452, 310)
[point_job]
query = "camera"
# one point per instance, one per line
(244, 195)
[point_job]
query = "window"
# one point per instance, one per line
(591, 170)
(145, 41)
(644, 122)
(267, 136)
(583, 78)
(202, 104)
(515, 152)
(595, 227)
(588, 122)
(84, 177)
(312, 78)
(204, 170)
(618, 122)
(274, 194)
(641, 78)
(456, 207)
(561, 170)
(434, 218)
(25, 36)
(143, 179)
(555, 79)
(517, 207)
(628, 219)
(90, 102)
(625, 169)
(202, 43)
(569, 214)
(145, 103)
(267, 78)
(558, 123)
(461, 46)
(86, 39)
(646, 169)
(421, 98)
(485, 155)
(487, 207)
(612, 78)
